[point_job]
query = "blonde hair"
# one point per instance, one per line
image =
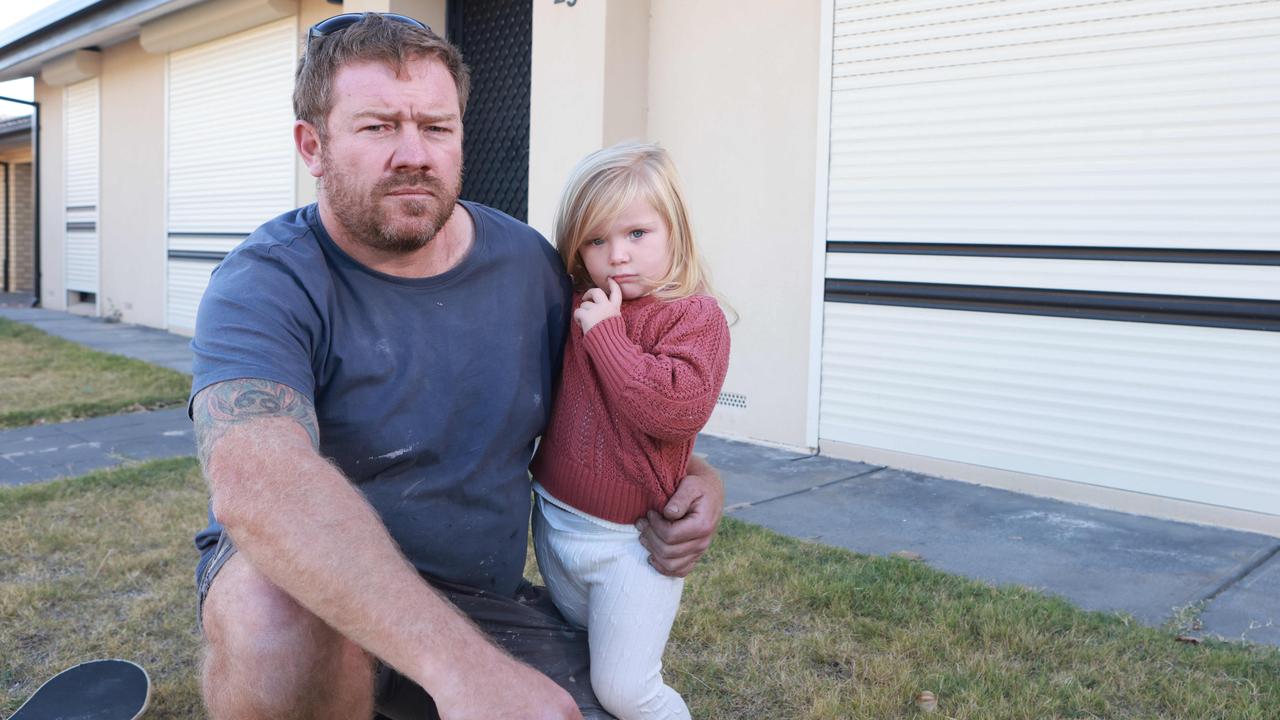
(602, 186)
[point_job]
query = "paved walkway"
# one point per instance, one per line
(1098, 559)
(143, 343)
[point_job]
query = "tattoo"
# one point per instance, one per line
(218, 408)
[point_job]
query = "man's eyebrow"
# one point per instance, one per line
(420, 117)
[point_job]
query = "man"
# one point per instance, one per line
(370, 375)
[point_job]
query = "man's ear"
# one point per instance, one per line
(307, 139)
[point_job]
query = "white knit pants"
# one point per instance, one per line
(600, 578)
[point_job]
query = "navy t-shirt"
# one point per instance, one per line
(429, 392)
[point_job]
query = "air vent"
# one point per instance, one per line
(733, 400)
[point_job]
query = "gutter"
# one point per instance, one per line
(76, 25)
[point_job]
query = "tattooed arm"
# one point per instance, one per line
(302, 525)
(220, 407)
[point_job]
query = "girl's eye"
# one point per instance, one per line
(636, 234)
(596, 242)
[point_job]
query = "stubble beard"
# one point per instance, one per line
(364, 216)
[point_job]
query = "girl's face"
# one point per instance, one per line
(634, 249)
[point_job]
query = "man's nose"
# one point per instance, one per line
(412, 150)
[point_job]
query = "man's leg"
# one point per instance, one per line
(266, 656)
(527, 626)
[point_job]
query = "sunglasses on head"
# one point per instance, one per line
(338, 23)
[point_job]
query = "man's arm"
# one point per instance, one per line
(302, 525)
(676, 538)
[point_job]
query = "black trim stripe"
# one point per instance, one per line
(1086, 304)
(82, 226)
(80, 208)
(210, 234)
(211, 256)
(1062, 252)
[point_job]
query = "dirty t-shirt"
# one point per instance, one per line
(429, 392)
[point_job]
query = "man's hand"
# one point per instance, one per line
(499, 686)
(678, 537)
(597, 307)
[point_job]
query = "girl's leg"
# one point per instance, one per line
(600, 578)
(568, 591)
(631, 608)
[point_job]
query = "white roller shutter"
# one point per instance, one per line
(81, 182)
(1134, 142)
(230, 160)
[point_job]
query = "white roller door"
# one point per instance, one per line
(1054, 241)
(81, 182)
(231, 157)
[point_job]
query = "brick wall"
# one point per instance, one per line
(22, 223)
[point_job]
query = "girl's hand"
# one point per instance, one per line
(597, 307)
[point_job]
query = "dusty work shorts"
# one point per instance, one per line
(528, 626)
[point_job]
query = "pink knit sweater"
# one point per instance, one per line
(634, 393)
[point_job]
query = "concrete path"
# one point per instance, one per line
(17, 299)
(1098, 559)
(142, 343)
(45, 452)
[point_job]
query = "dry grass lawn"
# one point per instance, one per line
(48, 379)
(771, 627)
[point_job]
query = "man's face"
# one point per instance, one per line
(391, 164)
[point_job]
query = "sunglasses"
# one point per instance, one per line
(338, 23)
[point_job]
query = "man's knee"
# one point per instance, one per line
(264, 650)
(246, 614)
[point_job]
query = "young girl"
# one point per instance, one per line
(647, 352)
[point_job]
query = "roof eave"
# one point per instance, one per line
(83, 24)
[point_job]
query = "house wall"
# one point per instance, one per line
(132, 213)
(16, 258)
(566, 103)
(746, 154)
(53, 211)
(21, 218)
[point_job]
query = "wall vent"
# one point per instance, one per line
(733, 400)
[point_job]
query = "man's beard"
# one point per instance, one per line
(365, 219)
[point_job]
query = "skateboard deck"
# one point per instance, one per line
(94, 690)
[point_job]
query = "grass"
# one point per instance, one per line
(770, 628)
(48, 379)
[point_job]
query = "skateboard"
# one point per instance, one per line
(94, 690)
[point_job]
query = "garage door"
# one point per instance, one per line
(1053, 241)
(230, 160)
(82, 138)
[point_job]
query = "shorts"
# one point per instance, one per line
(528, 626)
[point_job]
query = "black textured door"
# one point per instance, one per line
(495, 37)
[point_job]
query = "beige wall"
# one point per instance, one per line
(733, 94)
(566, 105)
(53, 211)
(131, 219)
(431, 12)
(731, 88)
